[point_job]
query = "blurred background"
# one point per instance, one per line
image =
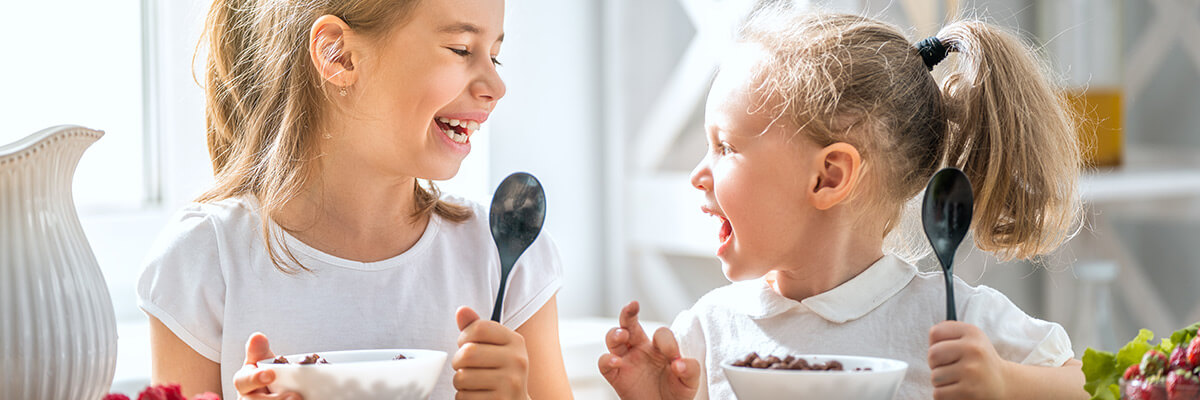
(604, 105)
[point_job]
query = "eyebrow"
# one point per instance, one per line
(461, 27)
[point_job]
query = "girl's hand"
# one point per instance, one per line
(964, 363)
(638, 368)
(491, 362)
(250, 381)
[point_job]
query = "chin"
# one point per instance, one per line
(442, 174)
(735, 274)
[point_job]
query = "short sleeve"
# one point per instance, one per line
(1017, 336)
(692, 344)
(182, 284)
(535, 278)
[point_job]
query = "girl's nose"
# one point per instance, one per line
(488, 87)
(701, 176)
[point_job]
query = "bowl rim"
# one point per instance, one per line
(894, 364)
(420, 354)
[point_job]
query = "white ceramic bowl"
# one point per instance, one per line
(880, 383)
(360, 374)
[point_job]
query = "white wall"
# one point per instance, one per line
(549, 124)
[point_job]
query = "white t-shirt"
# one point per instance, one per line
(209, 279)
(886, 311)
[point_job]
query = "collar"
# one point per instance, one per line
(847, 302)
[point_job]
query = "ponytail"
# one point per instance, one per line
(1011, 132)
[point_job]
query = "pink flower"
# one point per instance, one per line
(115, 396)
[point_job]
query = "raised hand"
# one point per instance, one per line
(640, 368)
(491, 362)
(251, 382)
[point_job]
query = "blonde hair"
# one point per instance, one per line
(848, 78)
(264, 98)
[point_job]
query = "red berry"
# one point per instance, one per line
(1182, 385)
(170, 391)
(1192, 354)
(1146, 389)
(1154, 363)
(1133, 372)
(1178, 359)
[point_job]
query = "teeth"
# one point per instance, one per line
(468, 125)
(455, 136)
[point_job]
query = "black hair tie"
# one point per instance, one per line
(932, 51)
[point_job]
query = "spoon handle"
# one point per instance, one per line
(500, 296)
(951, 315)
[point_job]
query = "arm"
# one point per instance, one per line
(173, 361)
(965, 365)
(1034, 382)
(547, 373)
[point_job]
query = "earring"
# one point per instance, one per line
(343, 92)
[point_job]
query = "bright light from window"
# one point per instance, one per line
(79, 62)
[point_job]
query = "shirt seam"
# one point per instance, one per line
(193, 341)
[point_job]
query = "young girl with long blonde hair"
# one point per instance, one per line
(323, 118)
(821, 127)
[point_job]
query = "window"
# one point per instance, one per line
(80, 62)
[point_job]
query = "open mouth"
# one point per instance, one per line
(457, 130)
(726, 230)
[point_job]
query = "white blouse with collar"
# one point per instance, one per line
(886, 311)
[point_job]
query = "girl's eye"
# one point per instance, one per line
(467, 53)
(722, 148)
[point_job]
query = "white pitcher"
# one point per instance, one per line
(59, 338)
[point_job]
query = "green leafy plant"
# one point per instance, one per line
(1103, 369)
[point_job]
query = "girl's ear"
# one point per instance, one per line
(329, 51)
(838, 168)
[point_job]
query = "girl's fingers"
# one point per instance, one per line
(947, 330)
(487, 332)
(942, 377)
(273, 396)
(617, 341)
(609, 364)
(257, 348)
(482, 379)
(664, 342)
(250, 379)
(477, 355)
(688, 372)
(629, 322)
(475, 395)
(944, 353)
(465, 316)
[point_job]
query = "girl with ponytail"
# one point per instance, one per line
(324, 118)
(821, 128)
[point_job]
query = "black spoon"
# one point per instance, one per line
(518, 210)
(946, 216)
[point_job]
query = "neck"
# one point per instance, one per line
(843, 252)
(354, 212)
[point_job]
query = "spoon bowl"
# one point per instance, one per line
(946, 216)
(517, 213)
